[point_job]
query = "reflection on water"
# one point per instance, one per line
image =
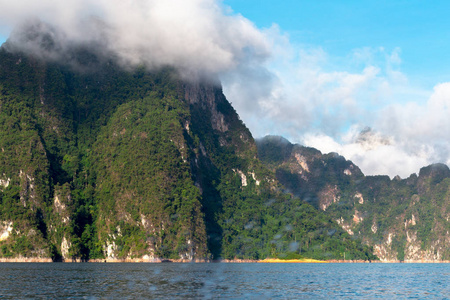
(192, 281)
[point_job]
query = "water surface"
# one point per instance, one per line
(221, 280)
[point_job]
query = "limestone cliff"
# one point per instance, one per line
(103, 162)
(403, 219)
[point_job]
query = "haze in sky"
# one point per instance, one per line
(366, 79)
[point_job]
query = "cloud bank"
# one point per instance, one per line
(361, 106)
(198, 37)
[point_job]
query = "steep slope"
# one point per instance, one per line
(58, 140)
(404, 219)
(99, 162)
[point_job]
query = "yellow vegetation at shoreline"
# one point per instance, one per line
(303, 260)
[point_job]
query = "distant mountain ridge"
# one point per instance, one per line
(403, 219)
(102, 162)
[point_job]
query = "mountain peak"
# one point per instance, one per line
(436, 171)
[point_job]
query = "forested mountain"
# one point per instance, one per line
(403, 219)
(102, 162)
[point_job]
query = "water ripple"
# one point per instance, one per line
(231, 281)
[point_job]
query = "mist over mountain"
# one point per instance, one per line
(277, 86)
(198, 38)
(118, 143)
(137, 163)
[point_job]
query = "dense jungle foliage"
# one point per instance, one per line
(98, 162)
(409, 217)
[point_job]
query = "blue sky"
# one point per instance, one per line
(385, 66)
(319, 72)
(421, 29)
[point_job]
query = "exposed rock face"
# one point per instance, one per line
(243, 177)
(99, 162)
(359, 197)
(5, 230)
(61, 208)
(65, 247)
(207, 96)
(328, 196)
(301, 160)
(28, 192)
(5, 182)
(404, 219)
(110, 250)
(307, 173)
(86, 119)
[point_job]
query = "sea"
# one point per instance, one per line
(224, 281)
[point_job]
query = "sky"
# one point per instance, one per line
(349, 66)
(366, 79)
(421, 29)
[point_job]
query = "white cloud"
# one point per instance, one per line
(303, 93)
(374, 153)
(199, 37)
(311, 102)
(408, 136)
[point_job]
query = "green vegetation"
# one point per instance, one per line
(97, 162)
(398, 215)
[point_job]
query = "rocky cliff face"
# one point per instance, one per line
(403, 219)
(71, 187)
(98, 162)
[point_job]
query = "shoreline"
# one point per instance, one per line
(267, 260)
